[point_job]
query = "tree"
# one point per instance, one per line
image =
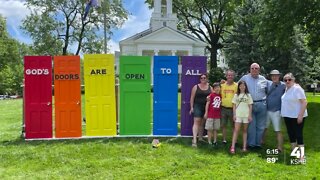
(243, 47)
(53, 24)
(286, 28)
(247, 45)
(8, 46)
(279, 19)
(207, 20)
(300, 59)
(11, 67)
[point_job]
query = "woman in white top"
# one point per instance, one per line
(294, 110)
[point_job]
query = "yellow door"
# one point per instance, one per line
(100, 95)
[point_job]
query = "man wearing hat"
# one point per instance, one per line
(275, 90)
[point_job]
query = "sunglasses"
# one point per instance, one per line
(287, 80)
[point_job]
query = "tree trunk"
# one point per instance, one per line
(66, 41)
(80, 38)
(213, 58)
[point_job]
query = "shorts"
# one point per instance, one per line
(199, 110)
(212, 124)
(226, 115)
(242, 120)
(275, 118)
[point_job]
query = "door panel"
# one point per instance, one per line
(100, 95)
(38, 96)
(67, 96)
(192, 67)
(135, 97)
(165, 95)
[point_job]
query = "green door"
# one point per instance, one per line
(135, 102)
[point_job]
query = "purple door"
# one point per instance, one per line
(192, 67)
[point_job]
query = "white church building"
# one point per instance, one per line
(163, 38)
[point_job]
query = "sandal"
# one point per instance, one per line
(232, 150)
(194, 144)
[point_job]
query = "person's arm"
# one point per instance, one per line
(193, 93)
(303, 108)
(242, 79)
(234, 112)
(211, 89)
(250, 108)
(207, 108)
(250, 113)
(234, 107)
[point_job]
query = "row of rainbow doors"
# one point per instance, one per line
(134, 95)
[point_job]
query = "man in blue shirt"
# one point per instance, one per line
(257, 88)
(275, 90)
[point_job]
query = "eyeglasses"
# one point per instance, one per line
(286, 80)
(254, 68)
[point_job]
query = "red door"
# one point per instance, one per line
(38, 96)
(67, 96)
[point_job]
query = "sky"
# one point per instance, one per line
(138, 20)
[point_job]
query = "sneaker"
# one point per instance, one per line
(224, 142)
(215, 144)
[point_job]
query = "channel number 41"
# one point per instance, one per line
(297, 152)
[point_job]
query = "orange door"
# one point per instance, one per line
(67, 96)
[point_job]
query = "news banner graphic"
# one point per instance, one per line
(297, 156)
(134, 107)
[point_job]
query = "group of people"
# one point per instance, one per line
(254, 103)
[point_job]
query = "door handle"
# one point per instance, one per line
(49, 103)
(78, 102)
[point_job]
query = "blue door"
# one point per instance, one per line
(165, 95)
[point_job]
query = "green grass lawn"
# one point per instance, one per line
(134, 158)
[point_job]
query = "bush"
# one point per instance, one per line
(215, 75)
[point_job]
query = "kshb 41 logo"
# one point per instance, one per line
(298, 154)
(37, 71)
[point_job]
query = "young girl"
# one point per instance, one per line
(242, 114)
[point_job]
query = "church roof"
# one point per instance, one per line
(143, 36)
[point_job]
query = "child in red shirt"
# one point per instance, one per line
(213, 114)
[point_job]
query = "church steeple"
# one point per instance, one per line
(162, 15)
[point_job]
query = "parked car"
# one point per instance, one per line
(14, 97)
(4, 97)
